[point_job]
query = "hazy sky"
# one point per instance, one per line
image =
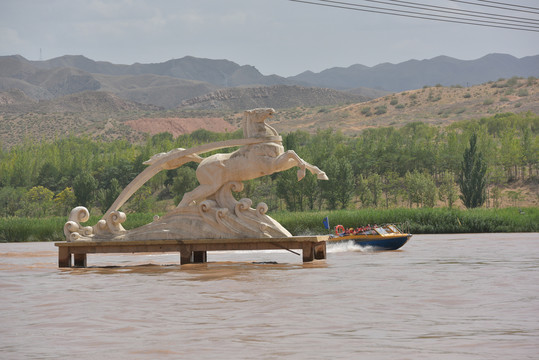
(276, 36)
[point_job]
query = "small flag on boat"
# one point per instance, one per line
(326, 222)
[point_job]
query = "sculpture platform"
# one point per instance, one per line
(209, 217)
(73, 254)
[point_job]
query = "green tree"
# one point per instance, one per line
(106, 197)
(84, 187)
(48, 176)
(261, 190)
(365, 194)
(10, 200)
(430, 192)
(511, 152)
(345, 190)
(472, 178)
(185, 181)
(309, 190)
(412, 183)
(392, 187)
(122, 171)
(64, 201)
(496, 195)
(448, 191)
(38, 201)
(23, 163)
(420, 189)
(530, 148)
(340, 186)
(289, 189)
(375, 185)
(141, 201)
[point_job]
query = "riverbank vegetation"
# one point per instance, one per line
(416, 221)
(416, 166)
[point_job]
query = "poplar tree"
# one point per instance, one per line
(472, 178)
(340, 186)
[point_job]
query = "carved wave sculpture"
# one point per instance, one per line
(217, 218)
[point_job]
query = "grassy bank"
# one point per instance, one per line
(418, 221)
(15, 229)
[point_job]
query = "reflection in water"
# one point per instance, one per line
(439, 297)
(198, 272)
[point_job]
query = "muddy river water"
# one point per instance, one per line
(458, 296)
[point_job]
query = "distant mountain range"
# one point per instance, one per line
(205, 83)
(414, 74)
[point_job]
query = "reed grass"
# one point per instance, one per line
(416, 221)
(19, 229)
(15, 229)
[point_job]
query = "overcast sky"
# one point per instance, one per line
(275, 36)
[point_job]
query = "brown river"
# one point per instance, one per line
(459, 296)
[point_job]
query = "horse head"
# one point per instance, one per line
(259, 115)
(254, 123)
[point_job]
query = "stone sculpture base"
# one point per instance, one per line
(220, 217)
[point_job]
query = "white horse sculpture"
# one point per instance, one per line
(250, 161)
(216, 214)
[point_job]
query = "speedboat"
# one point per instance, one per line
(379, 238)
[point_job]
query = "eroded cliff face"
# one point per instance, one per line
(278, 96)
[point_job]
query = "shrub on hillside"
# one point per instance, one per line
(379, 110)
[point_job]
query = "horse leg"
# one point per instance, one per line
(288, 160)
(320, 175)
(285, 161)
(302, 164)
(199, 192)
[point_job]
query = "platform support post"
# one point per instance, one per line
(320, 251)
(200, 256)
(64, 257)
(80, 260)
(308, 252)
(186, 257)
(192, 257)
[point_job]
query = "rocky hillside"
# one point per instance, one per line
(105, 115)
(97, 114)
(179, 126)
(435, 105)
(163, 91)
(102, 114)
(278, 96)
(14, 97)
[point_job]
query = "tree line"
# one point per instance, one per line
(416, 165)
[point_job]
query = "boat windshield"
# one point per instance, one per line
(380, 231)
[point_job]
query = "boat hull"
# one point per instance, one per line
(377, 243)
